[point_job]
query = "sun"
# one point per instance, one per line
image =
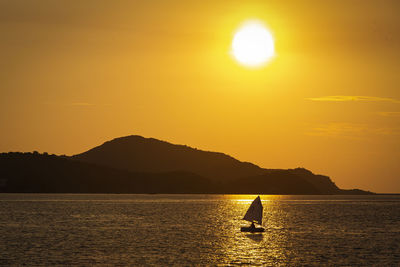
(253, 44)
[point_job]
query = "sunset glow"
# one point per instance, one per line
(310, 84)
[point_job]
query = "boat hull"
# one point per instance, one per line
(252, 230)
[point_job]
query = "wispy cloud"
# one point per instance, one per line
(76, 104)
(351, 130)
(338, 130)
(82, 104)
(346, 98)
(389, 113)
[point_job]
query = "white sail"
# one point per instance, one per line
(255, 211)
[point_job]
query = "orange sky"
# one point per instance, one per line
(74, 74)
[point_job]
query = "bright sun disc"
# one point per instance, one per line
(253, 44)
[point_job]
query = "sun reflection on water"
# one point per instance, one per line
(266, 248)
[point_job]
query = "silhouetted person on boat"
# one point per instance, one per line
(252, 226)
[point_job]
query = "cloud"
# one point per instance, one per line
(77, 104)
(338, 129)
(346, 98)
(389, 113)
(82, 104)
(351, 130)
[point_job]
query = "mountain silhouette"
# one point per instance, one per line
(139, 154)
(42, 173)
(135, 164)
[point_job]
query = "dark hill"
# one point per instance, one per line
(321, 182)
(139, 154)
(277, 182)
(43, 173)
(228, 175)
(39, 173)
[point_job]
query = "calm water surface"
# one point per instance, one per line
(69, 229)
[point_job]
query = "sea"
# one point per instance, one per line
(164, 230)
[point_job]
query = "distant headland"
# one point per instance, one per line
(134, 164)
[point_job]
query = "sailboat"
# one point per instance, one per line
(254, 215)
